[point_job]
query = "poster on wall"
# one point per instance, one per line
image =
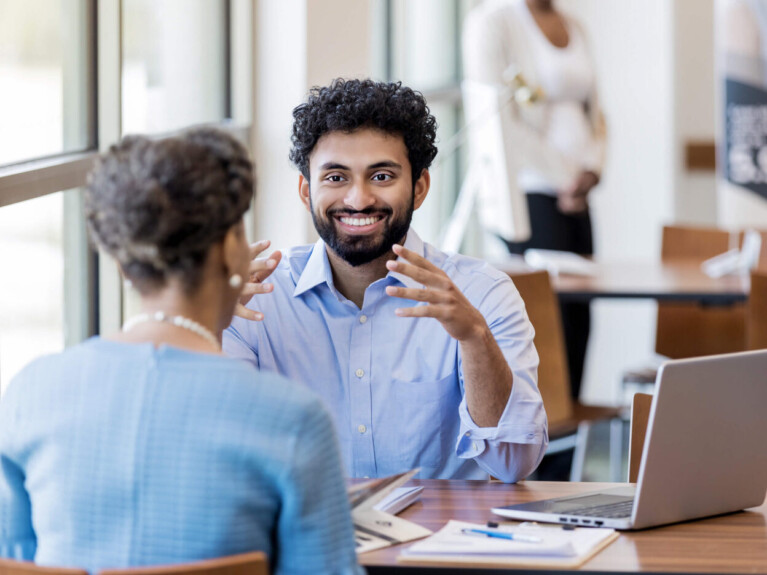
(742, 55)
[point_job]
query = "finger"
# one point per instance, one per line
(414, 258)
(258, 247)
(261, 269)
(415, 294)
(253, 288)
(433, 311)
(434, 280)
(241, 311)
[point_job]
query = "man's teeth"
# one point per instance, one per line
(359, 221)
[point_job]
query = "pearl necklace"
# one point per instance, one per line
(178, 321)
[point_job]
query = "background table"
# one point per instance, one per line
(734, 543)
(669, 281)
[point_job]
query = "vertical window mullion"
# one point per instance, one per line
(109, 78)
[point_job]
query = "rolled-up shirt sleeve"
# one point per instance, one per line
(513, 449)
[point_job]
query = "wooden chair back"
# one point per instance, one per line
(761, 264)
(690, 329)
(11, 567)
(254, 563)
(542, 308)
(756, 330)
(640, 415)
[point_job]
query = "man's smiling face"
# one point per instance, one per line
(361, 195)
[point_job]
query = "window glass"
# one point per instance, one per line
(32, 302)
(174, 64)
(44, 78)
(426, 48)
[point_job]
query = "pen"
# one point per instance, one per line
(502, 535)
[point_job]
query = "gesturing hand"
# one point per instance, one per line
(259, 270)
(446, 302)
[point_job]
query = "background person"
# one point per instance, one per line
(559, 138)
(149, 446)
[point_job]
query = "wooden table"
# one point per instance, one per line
(669, 281)
(734, 543)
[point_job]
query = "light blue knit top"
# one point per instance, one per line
(115, 455)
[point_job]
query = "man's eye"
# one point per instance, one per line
(382, 177)
(335, 178)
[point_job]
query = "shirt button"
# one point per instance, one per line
(363, 318)
(366, 477)
(359, 372)
(474, 445)
(468, 434)
(362, 428)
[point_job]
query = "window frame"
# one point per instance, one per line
(93, 291)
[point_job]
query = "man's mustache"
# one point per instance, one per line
(365, 212)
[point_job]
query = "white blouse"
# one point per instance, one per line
(567, 78)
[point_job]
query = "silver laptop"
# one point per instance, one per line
(705, 452)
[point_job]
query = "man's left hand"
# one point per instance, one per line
(445, 301)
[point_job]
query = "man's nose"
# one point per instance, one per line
(359, 196)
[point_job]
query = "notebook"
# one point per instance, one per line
(555, 546)
(703, 454)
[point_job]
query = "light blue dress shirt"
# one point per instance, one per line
(394, 385)
(116, 455)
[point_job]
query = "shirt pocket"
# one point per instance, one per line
(426, 413)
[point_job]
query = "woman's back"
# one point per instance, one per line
(136, 455)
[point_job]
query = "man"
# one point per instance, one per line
(425, 359)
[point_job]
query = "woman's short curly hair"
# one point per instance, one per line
(157, 206)
(347, 105)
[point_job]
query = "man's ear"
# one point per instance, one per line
(421, 189)
(304, 192)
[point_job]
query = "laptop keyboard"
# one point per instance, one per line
(611, 510)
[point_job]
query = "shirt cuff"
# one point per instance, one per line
(473, 440)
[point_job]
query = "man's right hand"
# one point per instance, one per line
(259, 270)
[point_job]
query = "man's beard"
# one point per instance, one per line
(362, 249)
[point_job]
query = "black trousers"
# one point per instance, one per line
(553, 230)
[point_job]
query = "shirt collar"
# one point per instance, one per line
(317, 270)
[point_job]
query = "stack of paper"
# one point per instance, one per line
(399, 499)
(375, 528)
(553, 546)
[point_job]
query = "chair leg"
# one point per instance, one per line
(616, 449)
(579, 453)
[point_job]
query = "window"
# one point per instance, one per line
(44, 78)
(424, 52)
(174, 71)
(163, 65)
(32, 306)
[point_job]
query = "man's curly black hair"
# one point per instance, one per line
(348, 105)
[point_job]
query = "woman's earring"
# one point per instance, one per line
(235, 281)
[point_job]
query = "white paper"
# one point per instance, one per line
(399, 499)
(556, 542)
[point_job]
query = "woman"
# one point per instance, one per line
(558, 136)
(149, 446)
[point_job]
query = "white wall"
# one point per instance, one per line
(299, 44)
(632, 47)
(695, 110)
